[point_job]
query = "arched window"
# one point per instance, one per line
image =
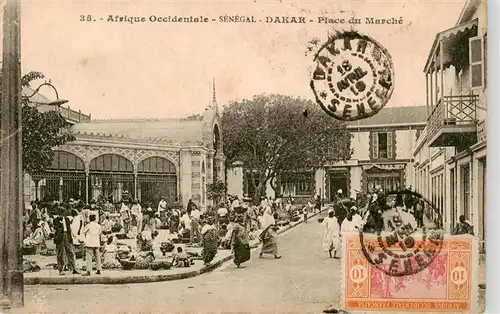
(218, 151)
(64, 179)
(217, 142)
(156, 179)
(111, 177)
(65, 161)
(156, 165)
(111, 163)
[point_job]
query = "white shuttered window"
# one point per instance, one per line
(476, 62)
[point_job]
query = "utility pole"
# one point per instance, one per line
(11, 188)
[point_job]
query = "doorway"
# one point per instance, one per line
(338, 180)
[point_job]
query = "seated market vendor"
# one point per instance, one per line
(180, 258)
(110, 255)
(37, 238)
(106, 224)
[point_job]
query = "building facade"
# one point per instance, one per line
(145, 158)
(381, 158)
(450, 154)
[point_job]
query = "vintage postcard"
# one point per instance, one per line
(243, 156)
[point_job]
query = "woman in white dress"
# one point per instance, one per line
(269, 235)
(350, 223)
(331, 237)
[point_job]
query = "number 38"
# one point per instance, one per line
(87, 18)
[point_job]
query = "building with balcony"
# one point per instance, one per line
(450, 154)
(145, 158)
(382, 147)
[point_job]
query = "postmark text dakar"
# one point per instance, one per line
(353, 76)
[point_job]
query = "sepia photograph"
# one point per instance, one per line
(243, 156)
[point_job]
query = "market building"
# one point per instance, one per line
(450, 154)
(382, 147)
(146, 158)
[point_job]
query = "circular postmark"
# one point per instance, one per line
(353, 76)
(403, 246)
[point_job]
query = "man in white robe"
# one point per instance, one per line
(331, 236)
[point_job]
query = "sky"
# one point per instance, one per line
(160, 70)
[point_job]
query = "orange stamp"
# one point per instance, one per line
(430, 274)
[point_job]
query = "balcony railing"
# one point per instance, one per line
(73, 115)
(457, 110)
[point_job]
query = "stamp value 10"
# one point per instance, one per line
(449, 282)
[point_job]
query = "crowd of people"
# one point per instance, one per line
(375, 215)
(93, 231)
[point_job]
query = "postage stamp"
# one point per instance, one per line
(433, 281)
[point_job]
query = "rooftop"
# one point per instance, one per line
(394, 116)
(70, 115)
(174, 130)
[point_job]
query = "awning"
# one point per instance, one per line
(470, 25)
(467, 29)
(386, 167)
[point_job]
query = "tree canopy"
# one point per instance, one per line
(276, 134)
(216, 191)
(41, 131)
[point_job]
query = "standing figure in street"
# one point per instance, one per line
(190, 206)
(92, 234)
(331, 237)
(195, 226)
(210, 241)
(64, 242)
(350, 223)
(418, 212)
(136, 212)
(174, 221)
(185, 224)
(94, 209)
(126, 217)
(109, 206)
(240, 243)
(269, 235)
(77, 227)
(463, 227)
(226, 240)
(357, 217)
(317, 205)
(235, 203)
(305, 212)
(35, 215)
(222, 215)
(162, 211)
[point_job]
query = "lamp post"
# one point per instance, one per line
(11, 193)
(57, 102)
(11, 179)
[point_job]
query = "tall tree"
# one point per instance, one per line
(41, 131)
(216, 191)
(276, 134)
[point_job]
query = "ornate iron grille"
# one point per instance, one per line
(110, 185)
(60, 186)
(151, 188)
